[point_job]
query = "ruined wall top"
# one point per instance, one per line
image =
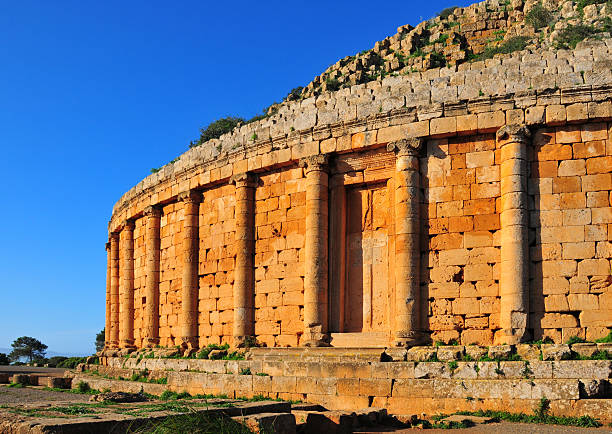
(519, 80)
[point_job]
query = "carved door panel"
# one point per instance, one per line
(367, 260)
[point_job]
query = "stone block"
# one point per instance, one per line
(451, 352)
(421, 353)
(280, 423)
(555, 352)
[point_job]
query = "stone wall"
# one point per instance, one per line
(470, 203)
(574, 388)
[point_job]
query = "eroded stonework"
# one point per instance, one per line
(482, 220)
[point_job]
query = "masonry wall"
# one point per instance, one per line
(461, 249)
(571, 221)
(568, 191)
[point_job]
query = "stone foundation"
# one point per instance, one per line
(345, 379)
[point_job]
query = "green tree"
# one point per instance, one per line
(4, 360)
(28, 347)
(100, 340)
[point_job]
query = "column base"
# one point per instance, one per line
(314, 337)
(190, 345)
(408, 339)
(511, 337)
(150, 342)
(245, 341)
(127, 345)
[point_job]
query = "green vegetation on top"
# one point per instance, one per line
(539, 17)
(445, 13)
(516, 43)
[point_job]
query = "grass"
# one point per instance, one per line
(16, 385)
(538, 418)
(193, 423)
(605, 339)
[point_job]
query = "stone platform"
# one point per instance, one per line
(343, 382)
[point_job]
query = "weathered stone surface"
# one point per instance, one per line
(555, 352)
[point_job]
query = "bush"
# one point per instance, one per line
(4, 360)
(583, 3)
(332, 84)
(539, 17)
(447, 12)
(295, 94)
(572, 35)
(83, 387)
(216, 129)
(71, 362)
(516, 43)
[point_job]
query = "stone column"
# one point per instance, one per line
(244, 270)
(407, 200)
(189, 288)
(512, 140)
(107, 322)
(126, 286)
(114, 290)
(152, 215)
(316, 267)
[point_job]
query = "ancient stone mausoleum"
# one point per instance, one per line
(469, 203)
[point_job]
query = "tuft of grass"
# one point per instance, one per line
(452, 365)
(545, 418)
(575, 340)
(16, 385)
(193, 423)
(605, 339)
(246, 371)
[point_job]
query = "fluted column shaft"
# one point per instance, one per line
(316, 256)
(114, 290)
(126, 286)
(407, 242)
(107, 320)
(189, 287)
(152, 243)
(244, 270)
(512, 140)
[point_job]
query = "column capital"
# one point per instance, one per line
(318, 162)
(411, 147)
(128, 224)
(513, 134)
(113, 236)
(245, 179)
(152, 211)
(190, 196)
(107, 245)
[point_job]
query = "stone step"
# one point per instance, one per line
(345, 354)
(277, 423)
(364, 340)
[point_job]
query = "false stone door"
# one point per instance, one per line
(366, 285)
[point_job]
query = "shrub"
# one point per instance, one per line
(572, 35)
(516, 43)
(83, 387)
(584, 3)
(295, 94)
(71, 362)
(445, 13)
(332, 84)
(539, 17)
(216, 129)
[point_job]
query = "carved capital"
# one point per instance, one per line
(410, 147)
(514, 134)
(107, 245)
(114, 236)
(128, 225)
(190, 196)
(318, 162)
(152, 211)
(246, 179)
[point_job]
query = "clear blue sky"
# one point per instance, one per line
(95, 94)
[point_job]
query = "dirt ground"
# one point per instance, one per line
(28, 395)
(503, 428)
